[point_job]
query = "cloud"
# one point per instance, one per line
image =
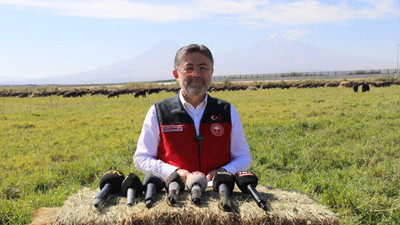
(106, 9)
(251, 13)
(313, 12)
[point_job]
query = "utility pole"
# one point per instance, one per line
(396, 75)
(398, 43)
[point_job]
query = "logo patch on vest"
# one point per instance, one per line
(216, 117)
(217, 129)
(172, 128)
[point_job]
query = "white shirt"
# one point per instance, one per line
(145, 158)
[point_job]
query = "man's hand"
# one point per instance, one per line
(212, 173)
(184, 174)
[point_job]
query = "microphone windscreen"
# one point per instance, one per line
(175, 177)
(132, 181)
(114, 178)
(222, 177)
(243, 179)
(197, 177)
(156, 180)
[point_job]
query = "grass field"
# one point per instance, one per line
(340, 147)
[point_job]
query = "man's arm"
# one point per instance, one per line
(240, 152)
(145, 158)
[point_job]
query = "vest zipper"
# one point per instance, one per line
(199, 139)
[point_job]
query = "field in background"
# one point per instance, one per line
(338, 146)
(316, 75)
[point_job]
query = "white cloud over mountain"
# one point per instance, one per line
(254, 13)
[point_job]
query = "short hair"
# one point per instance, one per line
(192, 48)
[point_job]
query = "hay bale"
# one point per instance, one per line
(287, 207)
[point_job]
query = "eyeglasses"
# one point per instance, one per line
(190, 70)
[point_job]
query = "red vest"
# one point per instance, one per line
(181, 147)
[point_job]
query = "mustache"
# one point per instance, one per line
(191, 79)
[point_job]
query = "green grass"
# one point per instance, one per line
(340, 147)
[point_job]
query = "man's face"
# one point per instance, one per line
(194, 74)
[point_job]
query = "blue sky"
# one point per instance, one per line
(42, 38)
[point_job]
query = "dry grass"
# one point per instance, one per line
(288, 207)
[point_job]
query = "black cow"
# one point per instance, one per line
(74, 94)
(23, 95)
(100, 91)
(153, 90)
(364, 87)
(355, 88)
(112, 94)
(69, 94)
(140, 93)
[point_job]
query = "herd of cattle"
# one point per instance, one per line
(365, 86)
(81, 92)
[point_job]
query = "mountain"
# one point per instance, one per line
(275, 54)
(153, 64)
(7, 80)
(278, 54)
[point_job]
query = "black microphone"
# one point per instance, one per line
(109, 183)
(131, 187)
(153, 184)
(223, 183)
(196, 183)
(247, 183)
(174, 185)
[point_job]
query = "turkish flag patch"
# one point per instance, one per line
(216, 117)
(217, 129)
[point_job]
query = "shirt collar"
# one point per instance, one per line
(187, 104)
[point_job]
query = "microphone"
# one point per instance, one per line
(247, 182)
(196, 183)
(174, 185)
(224, 183)
(153, 184)
(109, 183)
(131, 187)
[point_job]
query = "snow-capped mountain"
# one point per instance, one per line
(275, 54)
(278, 54)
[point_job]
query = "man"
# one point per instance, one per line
(192, 131)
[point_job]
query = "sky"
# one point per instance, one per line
(44, 38)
